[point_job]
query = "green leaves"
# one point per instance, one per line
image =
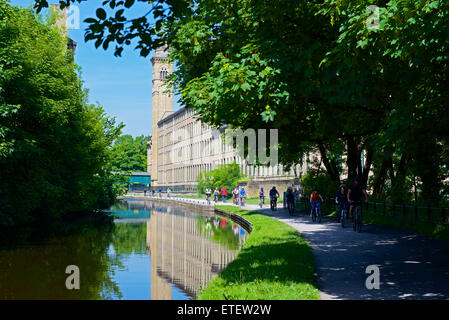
(129, 154)
(268, 114)
(101, 13)
(53, 146)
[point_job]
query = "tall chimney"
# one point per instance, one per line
(61, 23)
(61, 18)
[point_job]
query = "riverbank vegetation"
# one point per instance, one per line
(225, 175)
(129, 154)
(53, 143)
(275, 262)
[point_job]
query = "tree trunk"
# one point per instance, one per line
(380, 179)
(331, 168)
(352, 158)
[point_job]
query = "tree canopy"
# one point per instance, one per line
(129, 154)
(53, 144)
(225, 175)
(373, 95)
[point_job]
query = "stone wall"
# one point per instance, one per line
(253, 186)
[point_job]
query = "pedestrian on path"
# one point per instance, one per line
(224, 194)
(216, 194)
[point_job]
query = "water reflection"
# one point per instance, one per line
(151, 252)
(37, 271)
(188, 249)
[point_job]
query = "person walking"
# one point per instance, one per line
(216, 194)
(168, 192)
(208, 194)
(290, 198)
(224, 194)
(160, 192)
(261, 197)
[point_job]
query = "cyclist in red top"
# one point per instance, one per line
(314, 196)
(224, 194)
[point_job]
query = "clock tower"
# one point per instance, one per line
(162, 105)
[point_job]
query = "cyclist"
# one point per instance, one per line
(274, 194)
(290, 200)
(208, 194)
(314, 196)
(355, 193)
(216, 195)
(261, 197)
(341, 198)
(242, 196)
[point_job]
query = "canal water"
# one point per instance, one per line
(152, 251)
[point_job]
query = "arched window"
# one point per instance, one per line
(163, 73)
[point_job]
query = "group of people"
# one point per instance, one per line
(344, 198)
(274, 195)
(238, 195)
(159, 192)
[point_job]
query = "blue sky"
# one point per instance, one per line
(121, 85)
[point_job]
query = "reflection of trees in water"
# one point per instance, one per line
(37, 271)
(125, 205)
(129, 238)
(219, 230)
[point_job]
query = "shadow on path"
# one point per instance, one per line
(411, 266)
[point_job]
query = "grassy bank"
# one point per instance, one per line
(276, 262)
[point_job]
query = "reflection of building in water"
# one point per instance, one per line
(181, 255)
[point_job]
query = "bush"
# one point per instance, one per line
(226, 175)
(326, 186)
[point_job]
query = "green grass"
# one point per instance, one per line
(276, 262)
(189, 196)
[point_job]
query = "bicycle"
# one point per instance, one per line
(343, 213)
(273, 203)
(357, 216)
(261, 201)
(316, 214)
(208, 199)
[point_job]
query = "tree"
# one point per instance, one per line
(129, 154)
(53, 145)
(314, 70)
(226, 175)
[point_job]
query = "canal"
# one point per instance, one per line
(152, 251)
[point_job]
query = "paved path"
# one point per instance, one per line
(411, 266)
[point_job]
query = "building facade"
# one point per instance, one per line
(182, 146)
